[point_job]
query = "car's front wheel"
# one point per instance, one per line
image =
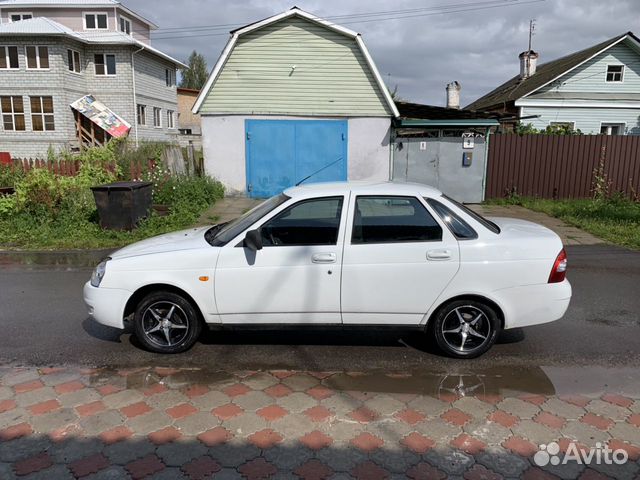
(166, 322)
(465, 328)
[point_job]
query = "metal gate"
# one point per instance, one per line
(443, 162)
(280, 153)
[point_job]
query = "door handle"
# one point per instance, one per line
(324, 258)
(439, 255)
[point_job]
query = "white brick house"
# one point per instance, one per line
(53, 52)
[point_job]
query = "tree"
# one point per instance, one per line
(559, 129)
(394, 94)
(195, 75)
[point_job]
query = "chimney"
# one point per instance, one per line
(453, 95)
(528, 63)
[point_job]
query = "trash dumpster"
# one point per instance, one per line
(121, 205)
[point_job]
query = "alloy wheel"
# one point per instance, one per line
(165, 324)
(466, 329)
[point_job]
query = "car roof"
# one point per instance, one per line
(362, 187)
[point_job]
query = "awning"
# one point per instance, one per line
(99, 114)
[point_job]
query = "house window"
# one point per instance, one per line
(37, 58)
(73, 58)
(185, 131)
(12, 113)
(157, 121)
(169, 77)
(171, 119)
(17, 16)
(612, 129)
(42, 114)
(9, 58)
(105, 64)
(95, 21)
(615, 73)
(141, 114)
(125, 25)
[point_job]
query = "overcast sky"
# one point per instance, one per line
(478, 48)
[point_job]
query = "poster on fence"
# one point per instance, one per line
(101, 115)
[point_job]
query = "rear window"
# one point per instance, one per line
(478, 218)
(460, 229)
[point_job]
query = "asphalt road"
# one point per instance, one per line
(43, 321)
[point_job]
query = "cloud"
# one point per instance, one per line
(422, 54)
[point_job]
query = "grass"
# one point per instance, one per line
(75, 223)
(26, 232)
(616, 220)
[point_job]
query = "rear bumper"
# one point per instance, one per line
(106, 305)
(534, 304)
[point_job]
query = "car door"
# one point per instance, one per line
(397, 260)
(295, 277)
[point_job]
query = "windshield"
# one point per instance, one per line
(223, 233)
(477, 217)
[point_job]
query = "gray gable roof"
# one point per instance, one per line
(516, 87)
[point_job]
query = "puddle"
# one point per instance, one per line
(445, 385)
(70, 259)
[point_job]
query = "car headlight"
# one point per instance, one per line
(98, 272)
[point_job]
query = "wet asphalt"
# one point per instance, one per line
(43, 321)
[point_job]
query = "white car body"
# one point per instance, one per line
(397, 284)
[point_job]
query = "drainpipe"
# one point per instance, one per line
(135, 103)
(486, 163)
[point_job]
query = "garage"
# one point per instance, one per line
(291, 96)
(281, 153)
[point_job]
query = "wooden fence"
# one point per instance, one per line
(70, 167)
(561, 166)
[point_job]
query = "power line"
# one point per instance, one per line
(345, 16)
(459, 10)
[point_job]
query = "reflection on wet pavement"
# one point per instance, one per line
(67, 422)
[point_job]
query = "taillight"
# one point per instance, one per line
(559, 270)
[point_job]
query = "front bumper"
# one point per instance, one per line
(106, 305)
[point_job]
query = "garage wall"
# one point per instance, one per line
(224, 147)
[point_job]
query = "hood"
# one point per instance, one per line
(183, 240)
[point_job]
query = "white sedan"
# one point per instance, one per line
(366, 254)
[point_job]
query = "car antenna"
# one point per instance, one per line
(317, 171)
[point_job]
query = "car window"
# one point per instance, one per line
(460, 229)
(309, 222)
(391, 219)
(477, 217)
(222, 234)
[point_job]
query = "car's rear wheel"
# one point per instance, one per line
(465, 328)
(166, 322)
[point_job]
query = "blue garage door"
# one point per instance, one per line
(280, 153)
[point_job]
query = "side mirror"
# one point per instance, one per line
(253, 240)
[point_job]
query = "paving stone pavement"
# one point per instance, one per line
(161, 423)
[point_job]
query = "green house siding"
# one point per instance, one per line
(331, 75)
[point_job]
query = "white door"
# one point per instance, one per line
(397, 260)
(295, 277)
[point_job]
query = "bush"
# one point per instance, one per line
(10, 175)
(55, 211)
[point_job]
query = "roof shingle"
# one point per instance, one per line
(516, 87)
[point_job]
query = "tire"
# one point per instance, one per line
(478, 320)
(166, 322)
